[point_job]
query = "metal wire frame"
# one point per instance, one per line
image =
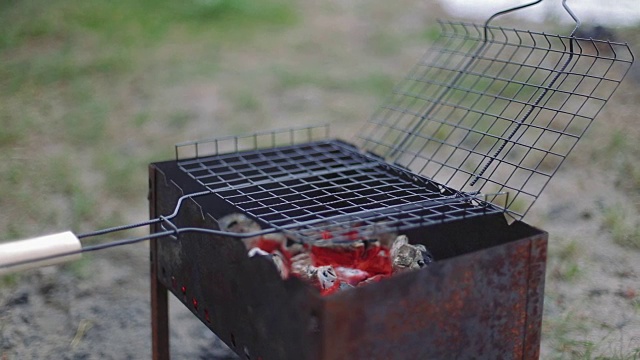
(491, 109)
(257, 140)
(328, 183)
(375, 223)
(370, 224)
(305, 190)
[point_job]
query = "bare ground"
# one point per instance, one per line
(99, 309)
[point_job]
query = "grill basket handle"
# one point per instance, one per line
(503, 12)
(39, 252)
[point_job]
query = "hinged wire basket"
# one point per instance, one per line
(490, 109)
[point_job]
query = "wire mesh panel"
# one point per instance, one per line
(492, 110)
(309, 190)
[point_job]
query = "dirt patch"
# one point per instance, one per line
(103, 314)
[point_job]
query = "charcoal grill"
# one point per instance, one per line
(485, 267)
(454, 159)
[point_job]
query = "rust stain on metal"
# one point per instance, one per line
(482, 298)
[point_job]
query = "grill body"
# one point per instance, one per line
(482, 297)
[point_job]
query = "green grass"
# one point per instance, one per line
(8, 281)
(567, 341)
(564, 261)
(12, 132)
(137, 23)
(561, 331)
(621, 155)
(290, 78)
(179, 119)
(79, 81)
(432, 33)
(80, 268)
(382, 43)
(377, 84)
(373, 83)
(624, 230)
(246, 100)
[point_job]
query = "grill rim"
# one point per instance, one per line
(425, 204)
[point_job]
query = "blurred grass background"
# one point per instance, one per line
(92, 92)
(85, 88)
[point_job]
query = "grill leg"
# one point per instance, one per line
(159, 312)
(159, 293)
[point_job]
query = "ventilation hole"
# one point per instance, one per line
(233, 340)
(164, 272)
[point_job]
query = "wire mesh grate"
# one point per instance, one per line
(328, 184)
(491, 110)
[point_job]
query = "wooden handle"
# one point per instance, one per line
(37, 248)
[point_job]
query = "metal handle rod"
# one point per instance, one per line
(175, 231)
(537, 101)
(403, 143)
(145, 223)
(30, 252)
(564, 5)
(58, 248)
(503, 12)
(72, 255)
(573, 16)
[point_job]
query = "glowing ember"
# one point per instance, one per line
(332, 267)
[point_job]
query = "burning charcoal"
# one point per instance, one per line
(322, 277)
(384, 234)
(257, 252)
(386, 239)
(295, 248)
(279, 260)
(276, 257)
(351, 276)
(406, 257)
(278, 239)
(305, 272)
(373, 279)
(239, 223)
(343, 254)
(271, 243)
(338, 286)
(426, 255)
(331, 232)
(366, 255)
(326, 276)
(302, 266)
(300, 262)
